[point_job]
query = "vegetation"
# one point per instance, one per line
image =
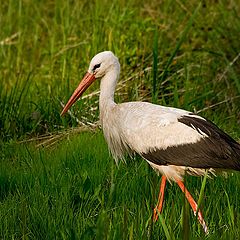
(57, 179)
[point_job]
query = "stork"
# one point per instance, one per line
(173, 141)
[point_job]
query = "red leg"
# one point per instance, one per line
(158, 208)
(193, 205)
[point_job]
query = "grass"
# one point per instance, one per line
(76, 192)
(175, 53)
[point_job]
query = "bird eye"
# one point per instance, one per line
(96, 66)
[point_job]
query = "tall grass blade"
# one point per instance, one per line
(234, 76)
(186, 221)
(167, 230)
(180, 42)
(155, 67)
(230, 210)
(202, 192)
(200, 199)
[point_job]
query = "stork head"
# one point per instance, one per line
(100, 65)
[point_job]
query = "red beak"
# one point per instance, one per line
(84, 84)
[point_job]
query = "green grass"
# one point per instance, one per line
(77, 192)
(175, 53)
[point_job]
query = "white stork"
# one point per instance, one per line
(173, 141)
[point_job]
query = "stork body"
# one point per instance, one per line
(173, 141)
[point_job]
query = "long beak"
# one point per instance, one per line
(87, 80)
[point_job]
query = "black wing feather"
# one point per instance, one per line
(215, 150)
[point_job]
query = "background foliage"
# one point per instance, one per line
(176, 53)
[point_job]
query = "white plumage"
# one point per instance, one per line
(173, 141)
(128, 130)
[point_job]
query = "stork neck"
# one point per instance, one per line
(107, 89)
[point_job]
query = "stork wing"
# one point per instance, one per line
(175, 137)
